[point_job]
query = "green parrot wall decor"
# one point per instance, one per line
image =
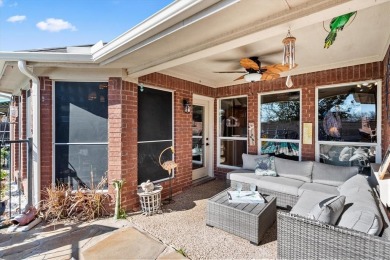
(337, 24)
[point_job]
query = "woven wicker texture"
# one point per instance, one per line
(302, 238)
(247, 220)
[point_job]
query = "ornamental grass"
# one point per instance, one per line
(62, 203)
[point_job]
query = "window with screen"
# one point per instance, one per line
(81, 133)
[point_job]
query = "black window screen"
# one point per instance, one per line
(81, 133)
(81, 112)
(154, 133)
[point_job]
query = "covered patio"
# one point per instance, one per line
(208, 79)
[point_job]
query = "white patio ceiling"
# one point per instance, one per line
(257, 28)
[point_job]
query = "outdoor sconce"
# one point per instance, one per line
(186, 106)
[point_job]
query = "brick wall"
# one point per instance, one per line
(122, 139)
(46, 132)
(307, 83)
(122, 122)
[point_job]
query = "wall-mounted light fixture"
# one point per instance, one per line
(141, 87)
(187, 106)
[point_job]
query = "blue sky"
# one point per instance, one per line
(37, 24)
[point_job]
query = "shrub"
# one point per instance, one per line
(81, 205)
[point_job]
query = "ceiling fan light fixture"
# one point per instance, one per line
(252, 77)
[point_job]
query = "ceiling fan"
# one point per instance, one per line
(254, 71)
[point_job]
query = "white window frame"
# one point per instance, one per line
(378, 144)
(219, 138)
(260, 139)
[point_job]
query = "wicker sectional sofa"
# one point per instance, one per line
(361, 230)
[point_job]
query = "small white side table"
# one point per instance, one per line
(150, 201)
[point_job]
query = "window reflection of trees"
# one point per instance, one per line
(355, 107)
(280, 119)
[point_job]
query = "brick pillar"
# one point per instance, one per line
(308, 116)
(183, 145)
(122, 140)
(46, 132)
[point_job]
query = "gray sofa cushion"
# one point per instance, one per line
(249, 160)
(362, 213)
(279, 184)
(331, 190)
(238, 171)
(307, 201)
(332, 175)
(354, 184)
(245, 177)
(293, 169)
(328, 210)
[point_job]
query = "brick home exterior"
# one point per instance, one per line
(122, 120)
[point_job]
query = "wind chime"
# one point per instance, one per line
(289, 55)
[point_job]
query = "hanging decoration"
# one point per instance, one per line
(337, 24)
(289, 51)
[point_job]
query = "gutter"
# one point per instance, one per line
(36, 140)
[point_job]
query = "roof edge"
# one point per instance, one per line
(165, 14)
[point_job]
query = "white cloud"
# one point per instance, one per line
(1, 2)
(55, 25)
(16, 18)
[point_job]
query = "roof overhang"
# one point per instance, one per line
(192, 39)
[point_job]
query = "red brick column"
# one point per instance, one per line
(46, 132)
(122, 139)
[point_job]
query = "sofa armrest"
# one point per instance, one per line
(303, 238)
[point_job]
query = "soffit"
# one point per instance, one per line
(256, 28)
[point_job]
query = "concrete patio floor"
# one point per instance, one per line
(101, 239)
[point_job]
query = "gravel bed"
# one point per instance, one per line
(182, 225)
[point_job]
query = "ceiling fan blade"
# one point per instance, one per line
(249, 64)
(241, 77)
(230, 72)
(269, 76)
(276, 68)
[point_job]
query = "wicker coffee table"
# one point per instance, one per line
(246, 220)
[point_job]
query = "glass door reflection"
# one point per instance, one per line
(197, 137)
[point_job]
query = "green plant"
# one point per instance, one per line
(4, 152)
(182, 252)
(119, 212)
(3, 174)
(3, 185)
